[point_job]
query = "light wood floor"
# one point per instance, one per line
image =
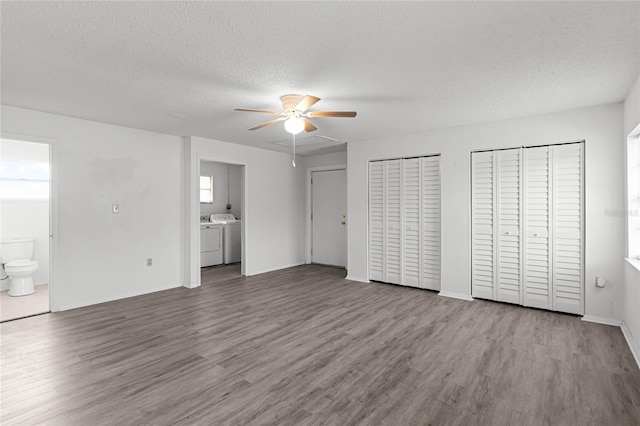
(304, 346)
(22, 306)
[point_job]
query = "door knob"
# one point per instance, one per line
(536, 234)
(344, 223)
(507, 233)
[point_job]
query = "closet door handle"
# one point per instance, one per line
(507, 233)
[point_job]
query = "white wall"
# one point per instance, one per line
(331, 159)
(273, 206)
(97, 255)
(226, 186)
(27, 218)
(631, 294)
(600, 126)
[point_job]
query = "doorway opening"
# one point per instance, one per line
(25, 211)
(221, 187)
(328, 217)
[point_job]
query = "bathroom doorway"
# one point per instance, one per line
(220, 188)
(25, 211)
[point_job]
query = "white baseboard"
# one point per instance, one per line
(601, 320)
(98, 301)
(633, 345)
(460, 296)
(190, 285)
(276, 268)
(359, 279)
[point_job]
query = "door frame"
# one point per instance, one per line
(243, 223)
(53, 206)
(308, 211)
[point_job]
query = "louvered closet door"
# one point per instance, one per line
(393, 220)
(430, 215)
(482, 205)
(568, 228)
(537, 265)
(411, 222)
(508, 209)
(376, 221)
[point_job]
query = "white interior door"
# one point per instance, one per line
(328, 217)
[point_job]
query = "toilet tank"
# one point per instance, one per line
(16, 249)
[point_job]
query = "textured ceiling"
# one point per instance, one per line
(181, 67)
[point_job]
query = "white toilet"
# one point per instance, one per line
(16, 257)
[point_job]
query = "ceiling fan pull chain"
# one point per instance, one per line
(293, 162)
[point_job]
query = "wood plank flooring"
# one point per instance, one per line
(303, 346)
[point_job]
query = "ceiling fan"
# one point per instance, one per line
(294, 113)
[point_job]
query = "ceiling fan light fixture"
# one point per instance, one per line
(294, 125)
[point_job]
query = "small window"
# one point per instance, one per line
(24, 180)
(206, 189)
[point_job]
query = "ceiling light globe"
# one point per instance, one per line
(294, 125)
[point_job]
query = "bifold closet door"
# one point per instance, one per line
(528, 226)
(385, 217)
(496, 208)
(568, 228)
(508, 253)
(376, 221)
(537, 231)
(421, 222)
(430, 222)
(404, 221)
(483, 208)
(411, 191)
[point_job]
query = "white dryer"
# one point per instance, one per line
(232, 236)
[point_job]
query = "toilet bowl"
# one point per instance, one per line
(21, 273)
(16, 256)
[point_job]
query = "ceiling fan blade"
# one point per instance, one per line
(306, 103)
(332, 114)
(308, 126)
(258, 110)
(268, 123)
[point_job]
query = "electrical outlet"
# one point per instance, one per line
(149, 261)
(115, 208)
